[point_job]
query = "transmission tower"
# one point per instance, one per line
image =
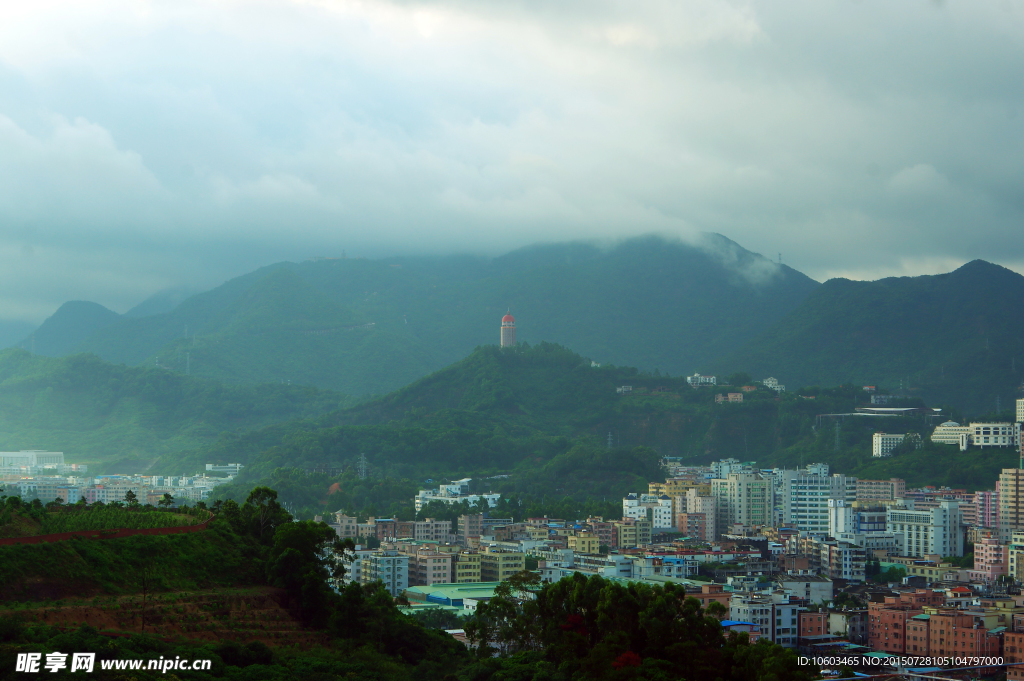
(609, 439)
(361, 466)
(837, 435)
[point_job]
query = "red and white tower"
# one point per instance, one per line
(508, 331)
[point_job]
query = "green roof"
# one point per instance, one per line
(922, 617)
(455, 591)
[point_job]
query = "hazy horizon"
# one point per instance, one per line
(153, 145)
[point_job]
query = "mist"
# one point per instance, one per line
(152, 145)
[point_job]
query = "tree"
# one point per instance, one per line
(739, 378)
(262, 512)
(131, 499)
(167, 501)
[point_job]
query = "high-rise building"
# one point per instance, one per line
(1011, 502)
(933, 531)
(986, 504)
(1020, 411)
(508, 330)
(805, 498)
(742, 499)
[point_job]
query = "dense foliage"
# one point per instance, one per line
(533, 422)
(306, 323)
(594, 629)
(947, 338)
(121, 417)
(574, 629)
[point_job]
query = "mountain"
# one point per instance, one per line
(954, 339)
(13, 332)
(68, 327)
(117, 417)
(542, 421)
(368, 327)
(160, 302)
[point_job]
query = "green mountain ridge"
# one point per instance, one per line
(952, 338)
(541, 416)
(370, 327)
(115, 416)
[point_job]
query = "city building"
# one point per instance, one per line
(466, 567)
(882, 444)
(633, 532)
(429, 566)
(991, 560)
(508, 330)
(656, 508)
(387, 566)
(31, 458)
(949, 433)
(805, 498)
(881, 490)
(843, 560)
(984, 435)
(986, 508)
(744, 499)
(888, 620)
(862, 523)
(935, 531)
(453, 493)
(703, 505)
(1011, 502)
(693, 525)
(773, 384)
(1015, 556)
(497, 565)
(698, 380)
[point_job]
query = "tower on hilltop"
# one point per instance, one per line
(508, 330)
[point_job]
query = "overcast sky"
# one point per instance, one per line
(148, 144)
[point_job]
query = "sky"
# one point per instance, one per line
(149, 144)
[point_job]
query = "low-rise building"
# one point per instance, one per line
(466, 567)
(498, 565)
(882, 444)
(387, 566)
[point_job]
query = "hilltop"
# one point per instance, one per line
(951, 339)
(542, 415)
(369, 327)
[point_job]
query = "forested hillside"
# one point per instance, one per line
(542, 415)
(369, 327)
(957, 338)
(128, 419)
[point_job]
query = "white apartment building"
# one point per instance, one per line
(777, 615)
(744, 499)
(860, 524)
(949, 433)
(453, 493)
(699, 379)
(723, 468)
(882, 444)
(31, 457)
(389, 567)
(754, 609)
(805, 498)
(1020, 411)
(649, 506)
(932, 531)
(774, 385)
(993, 435)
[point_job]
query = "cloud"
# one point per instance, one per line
(161, 142)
